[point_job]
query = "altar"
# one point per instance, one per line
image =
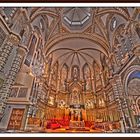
(76, 104)
(76, 119)
(77, 124)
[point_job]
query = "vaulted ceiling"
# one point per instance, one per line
(77, 35)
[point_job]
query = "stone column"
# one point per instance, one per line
(67, 86)
(72, 115)
(67, 99)
(79, 117)
(49, 84)
(29, 111)
(83, 92)
(118, 99)
(123, 102)
(126, 102)
(102, 79)
(93, 84)
(9, 81)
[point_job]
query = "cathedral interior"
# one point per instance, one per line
(70, 69)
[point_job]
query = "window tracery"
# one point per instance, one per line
(123, 44)
(97, 77)
(75, 72)
(113, 23)
(87, 76)
(64, 76)
(105, 68)
(41, 24)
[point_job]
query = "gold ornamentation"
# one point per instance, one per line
(13, 39)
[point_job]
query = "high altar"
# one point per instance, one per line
(76, 104)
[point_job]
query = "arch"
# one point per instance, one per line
(42, 24)
(43, 12)
(37, 30)
(127, 75)
(112, 11)
(61, 65)
(87, 76)
(63, 76)
(116, 31)
(75, 72)
(86, 67)
(55, 75)
(98, 40)
(69, 52)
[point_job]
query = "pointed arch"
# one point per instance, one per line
(63, 77)
(87, 77)
(54, 75)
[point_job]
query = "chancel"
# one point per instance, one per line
(74, 69)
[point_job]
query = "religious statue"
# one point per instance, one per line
(75, 72)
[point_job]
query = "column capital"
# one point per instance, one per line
(22, 50)
(116, 76)
(136, 50)
(14, 39)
